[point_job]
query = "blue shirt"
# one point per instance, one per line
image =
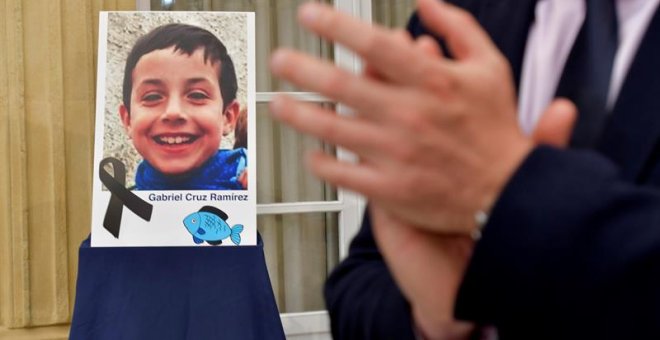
(220, 172)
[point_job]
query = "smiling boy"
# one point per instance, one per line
(179, 100)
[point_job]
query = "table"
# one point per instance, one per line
(174, 293)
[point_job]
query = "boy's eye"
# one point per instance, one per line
(197, 95)
(152, 97)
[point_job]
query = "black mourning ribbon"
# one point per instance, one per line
(121, 196)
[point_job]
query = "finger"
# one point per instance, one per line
(463, 34)
(355, 34)
(429, 46)
(370, 71)
(556, 124)
(360, 178)
(356, 135)
(363, 94)
(402, 36)
(392, 57)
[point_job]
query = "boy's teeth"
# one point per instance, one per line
(175, 140)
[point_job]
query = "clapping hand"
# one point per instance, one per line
(437, 138)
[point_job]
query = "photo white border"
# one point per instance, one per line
(166, 225)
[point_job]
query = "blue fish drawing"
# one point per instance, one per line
(210, 224)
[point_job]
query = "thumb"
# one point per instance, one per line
(556, 124)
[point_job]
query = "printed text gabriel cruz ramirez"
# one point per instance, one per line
(178, 197)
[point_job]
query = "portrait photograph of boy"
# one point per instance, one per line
(174, 126)
(173, 123)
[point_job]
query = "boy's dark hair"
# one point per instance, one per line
(187, 39)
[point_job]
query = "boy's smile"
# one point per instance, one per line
(176, 119)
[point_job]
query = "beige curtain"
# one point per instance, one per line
(47, 87)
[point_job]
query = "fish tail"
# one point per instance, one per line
(236, 234)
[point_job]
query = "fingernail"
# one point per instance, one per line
(309, 12)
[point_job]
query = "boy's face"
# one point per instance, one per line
(176, 120)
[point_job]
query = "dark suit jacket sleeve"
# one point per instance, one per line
(570, 251)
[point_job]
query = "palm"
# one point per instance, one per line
(428, 269)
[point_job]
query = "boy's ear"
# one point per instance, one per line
(229, 117)
(125, 117)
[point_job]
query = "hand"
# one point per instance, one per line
(428, 267)
(438, 138)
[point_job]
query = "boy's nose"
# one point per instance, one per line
(173, 112)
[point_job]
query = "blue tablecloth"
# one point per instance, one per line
(176, 293)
